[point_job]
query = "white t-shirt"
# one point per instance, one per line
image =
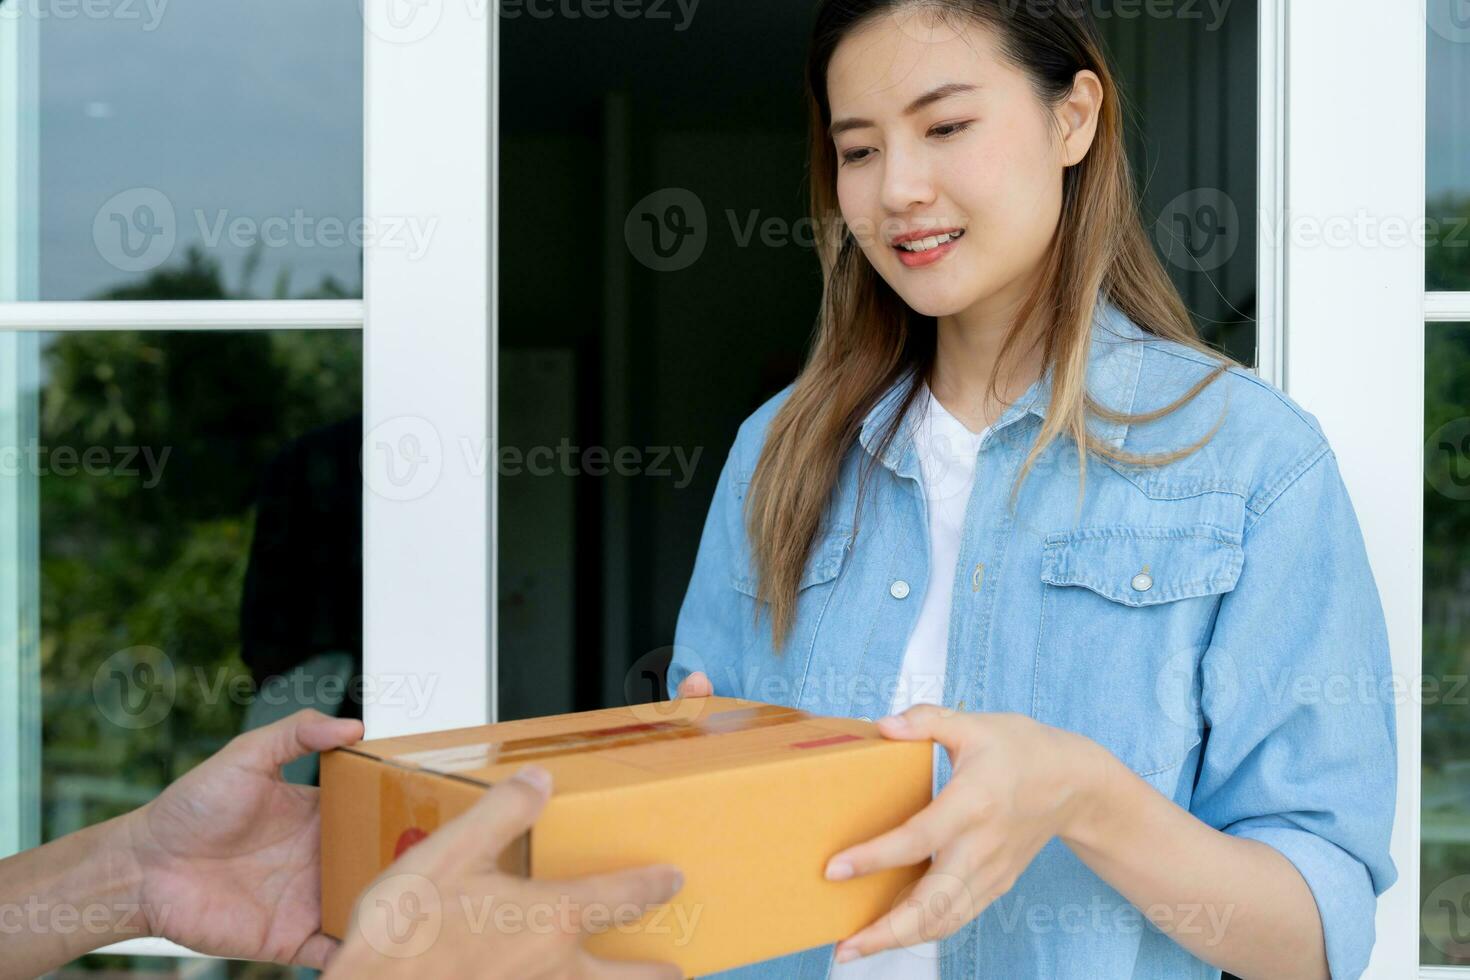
(947, 452)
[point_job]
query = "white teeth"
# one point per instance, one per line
(933, 241)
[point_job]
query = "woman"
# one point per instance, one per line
(1014, 500)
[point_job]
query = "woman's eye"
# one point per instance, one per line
(942, 131)
(952, 129)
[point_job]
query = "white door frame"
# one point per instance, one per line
(1350, 142)
(430, 146)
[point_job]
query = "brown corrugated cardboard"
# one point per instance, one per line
(749, 800)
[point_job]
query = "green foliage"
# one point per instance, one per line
(1446, 533)
(150, 549)
(199, 277)
(1447, 255)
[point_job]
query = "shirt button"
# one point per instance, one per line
(898, 589)
(1142, 582)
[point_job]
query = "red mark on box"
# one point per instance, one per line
(817, 743)
(407, 839)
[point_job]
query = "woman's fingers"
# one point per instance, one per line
(941, 902)
(946, 726)
(914, 840)
(696, 685)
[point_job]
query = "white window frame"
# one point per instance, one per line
(1351, 137)
(20, 688)
(430, 148)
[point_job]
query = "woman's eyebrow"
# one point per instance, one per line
(927, 99)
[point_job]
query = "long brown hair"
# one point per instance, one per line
(868, 338)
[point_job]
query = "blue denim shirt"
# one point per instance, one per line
(1213, 622)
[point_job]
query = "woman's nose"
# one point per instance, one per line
(907, 181)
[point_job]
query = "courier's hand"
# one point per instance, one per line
(696, 685)
(1016, 784)
(445, 910)
(229, 855)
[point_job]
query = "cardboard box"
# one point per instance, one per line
(750, 800)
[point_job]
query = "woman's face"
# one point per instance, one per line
(935, 133)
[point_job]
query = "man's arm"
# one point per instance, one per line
(69, 897)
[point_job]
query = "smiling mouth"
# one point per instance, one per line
(921, 245)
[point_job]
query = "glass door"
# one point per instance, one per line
(245, 351)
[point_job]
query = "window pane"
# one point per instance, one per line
(199, 552)
(1448, 179)
(1445, 867)
(189, 149)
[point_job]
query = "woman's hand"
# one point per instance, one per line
(229, 855)
(696, 685)
(1016, 784)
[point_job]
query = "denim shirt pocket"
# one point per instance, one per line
(781, 677)
(1126, 614)
(824, 562)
